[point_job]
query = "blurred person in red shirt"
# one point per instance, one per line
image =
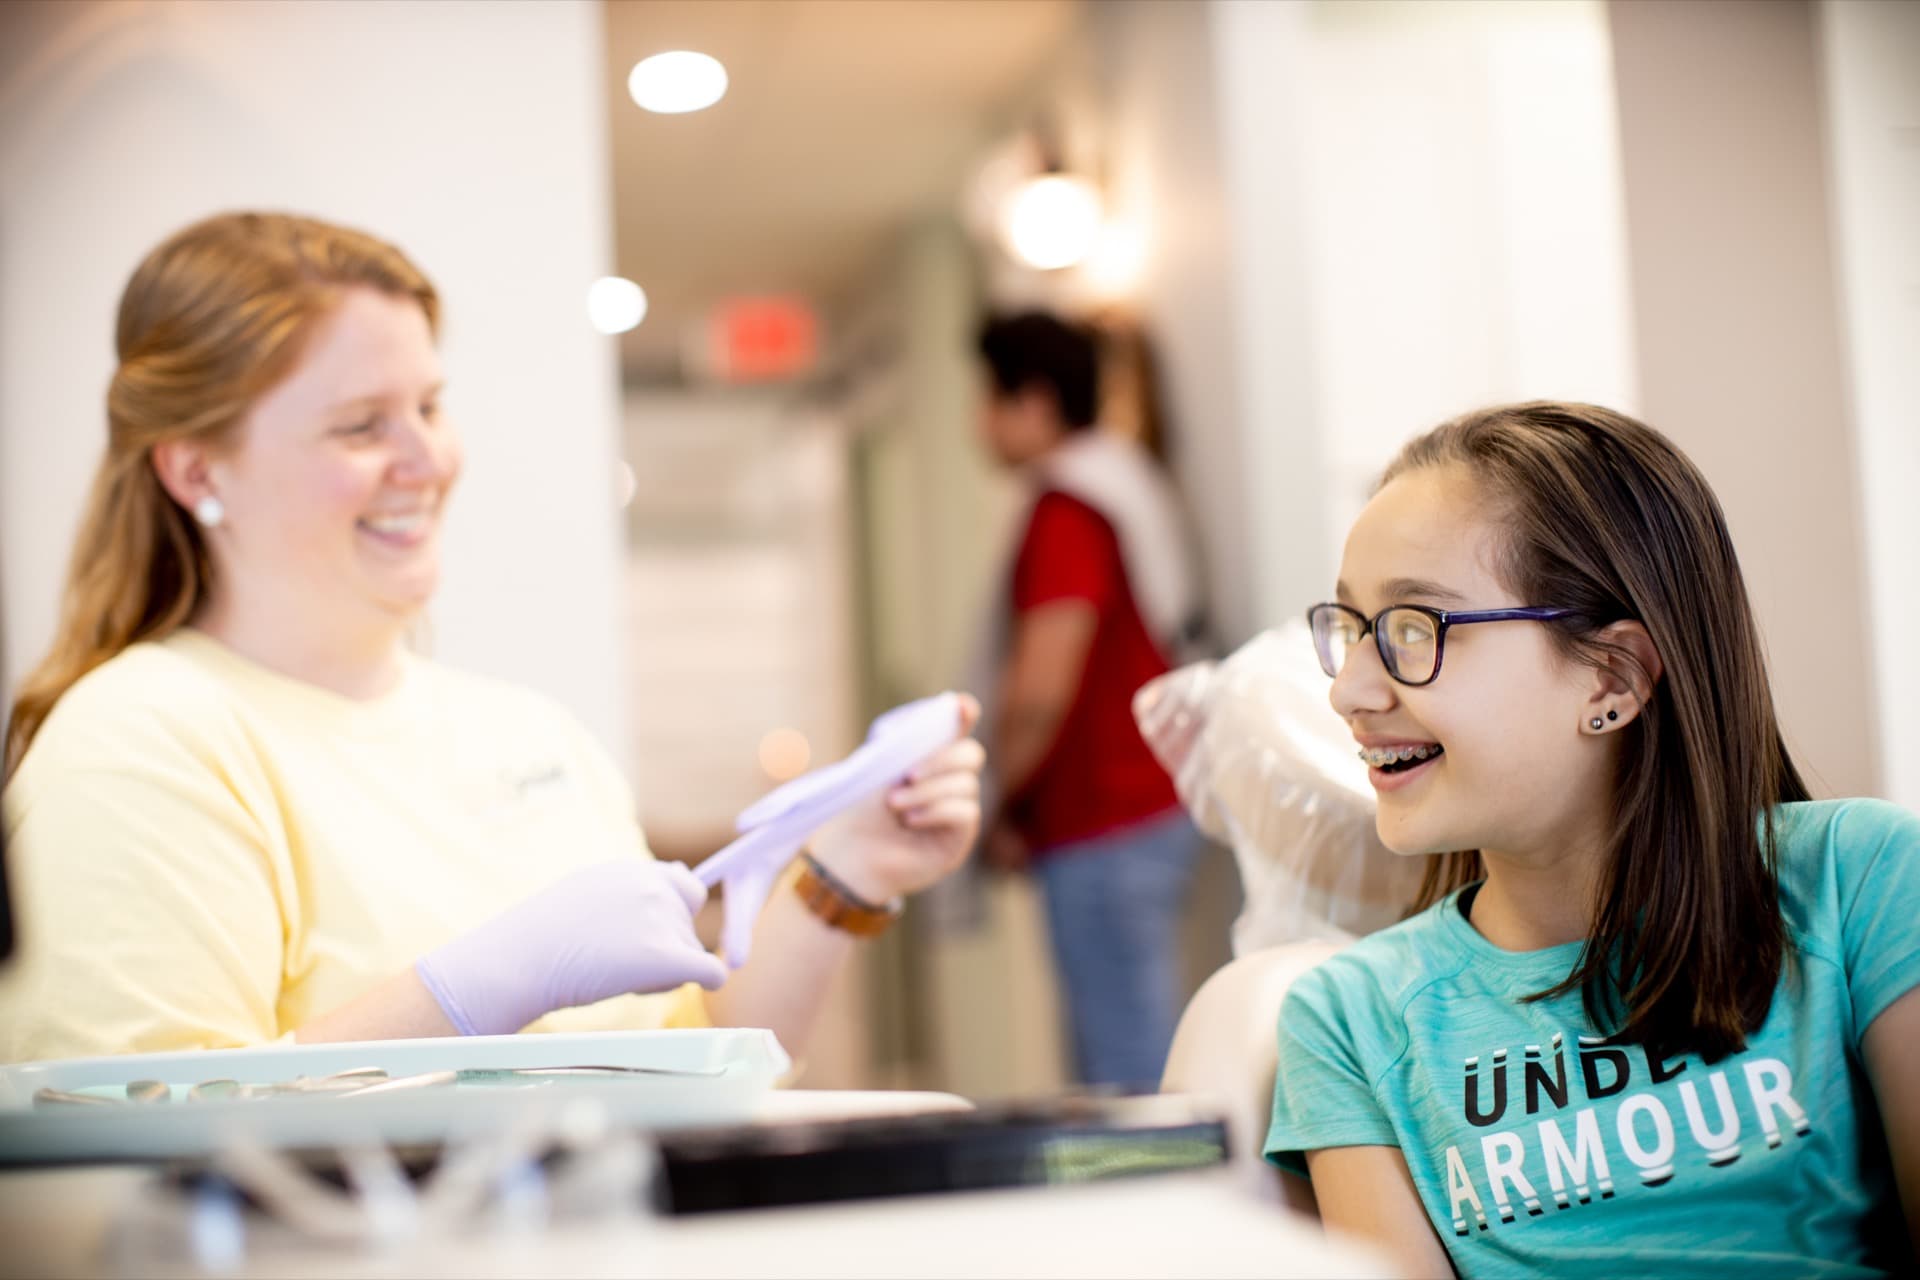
(1101, 597)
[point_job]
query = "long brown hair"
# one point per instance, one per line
(1606, 517)
(211, 320)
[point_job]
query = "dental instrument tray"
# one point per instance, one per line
(168, 1105)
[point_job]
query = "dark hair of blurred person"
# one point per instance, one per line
(1033, 354)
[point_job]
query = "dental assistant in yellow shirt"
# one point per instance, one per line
(239, 810)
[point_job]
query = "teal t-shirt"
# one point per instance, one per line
(1537, 1150)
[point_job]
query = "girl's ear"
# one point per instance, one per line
(1623, 683)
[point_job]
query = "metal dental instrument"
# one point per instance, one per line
(338, 1082)
(360, 1082)
(481, 1075)
(424, 1080)
(211, 1089)
(60, 1097)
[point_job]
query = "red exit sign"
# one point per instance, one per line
(765, 339)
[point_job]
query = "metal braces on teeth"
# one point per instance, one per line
(1380, 757)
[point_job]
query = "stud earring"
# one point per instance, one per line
(1596, 724)
(1613, 715)
(209, 511)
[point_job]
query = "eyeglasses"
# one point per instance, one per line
(1410, 637)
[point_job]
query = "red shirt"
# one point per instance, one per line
(1099, 774)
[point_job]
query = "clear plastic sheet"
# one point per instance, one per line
(1264, 765)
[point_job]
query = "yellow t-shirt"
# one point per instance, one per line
(208, 854)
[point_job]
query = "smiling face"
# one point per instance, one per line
(1513, 774)
(335, 489)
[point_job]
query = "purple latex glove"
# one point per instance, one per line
(777, 825)
(605, 930)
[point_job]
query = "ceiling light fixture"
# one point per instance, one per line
(616, 304)
(677, 82)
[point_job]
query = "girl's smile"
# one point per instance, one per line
(1394, 763)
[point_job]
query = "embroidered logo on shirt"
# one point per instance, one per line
(538, 778)
(503, 792)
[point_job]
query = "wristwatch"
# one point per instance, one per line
(839, 906)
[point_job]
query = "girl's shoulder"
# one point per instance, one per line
(1835, 855)
(1846, 823)
(1383, 971)
(1848, 837)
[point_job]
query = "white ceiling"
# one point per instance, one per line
(843, 119)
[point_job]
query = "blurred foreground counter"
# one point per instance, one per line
(1132, 1187)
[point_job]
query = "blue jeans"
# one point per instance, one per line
(1114, 904)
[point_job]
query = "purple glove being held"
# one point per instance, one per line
(603, 931)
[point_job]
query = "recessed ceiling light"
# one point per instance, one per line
(677, 82)
(616, 304)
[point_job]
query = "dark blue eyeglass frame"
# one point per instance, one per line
(1319, 618)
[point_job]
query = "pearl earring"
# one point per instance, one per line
(1596, 724)
(209, 511)
(1613, 715)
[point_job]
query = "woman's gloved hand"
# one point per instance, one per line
(606, 930)
(914, 834)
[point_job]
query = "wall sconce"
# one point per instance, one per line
(1052, 219)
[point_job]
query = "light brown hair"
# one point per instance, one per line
(1605, 516)
(210, 320)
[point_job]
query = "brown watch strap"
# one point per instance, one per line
(838, 905)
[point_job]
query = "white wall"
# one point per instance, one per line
(1166, 186)
(471, 133)
(1870, 60)
(1464, 217)
(1737, 337)
(1266, 119)
(1358, 218)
